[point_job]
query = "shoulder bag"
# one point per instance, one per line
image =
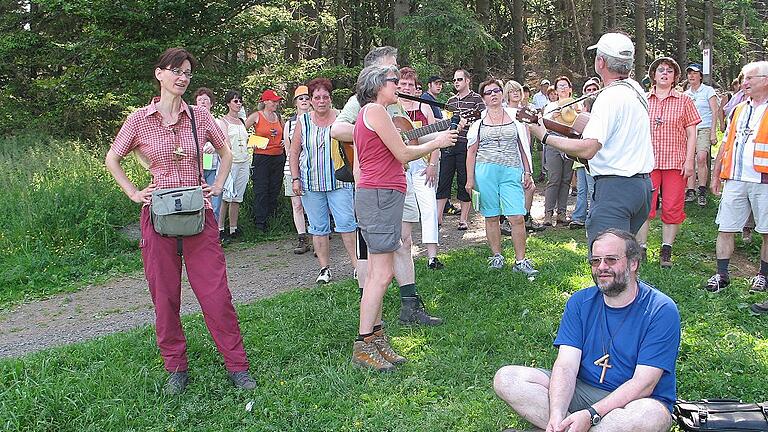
(721, 415)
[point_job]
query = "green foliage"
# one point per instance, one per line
(63, 213)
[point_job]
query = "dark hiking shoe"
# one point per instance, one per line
(717, 282)
(242, 380)
(302, 245)
(533, 226)
(412, 313)
(690, 195)
(506, 228)
(757, 284)
(759, 308)
(702, 199)
(665, 257)
(176, 384)
(435, 264)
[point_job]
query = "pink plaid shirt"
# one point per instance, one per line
(170, 149)
(669, 118)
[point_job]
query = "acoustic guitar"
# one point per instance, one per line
(574, 131)
(409, 134)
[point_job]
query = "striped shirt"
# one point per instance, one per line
(472, 101)
(315, 160)
(499, 144)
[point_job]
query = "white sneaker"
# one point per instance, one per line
(496, 261)
(526, 267)
(324, 277)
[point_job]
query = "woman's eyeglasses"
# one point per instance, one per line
(609, 260)
(394, 80)
(492, 91)
(179, 72)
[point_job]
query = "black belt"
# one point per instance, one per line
(641, 175)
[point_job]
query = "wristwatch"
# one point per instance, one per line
(294, 179)
(544, 138)
(595, 417)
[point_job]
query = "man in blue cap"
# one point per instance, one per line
(705, 99)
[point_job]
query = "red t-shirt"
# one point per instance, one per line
(379, 168)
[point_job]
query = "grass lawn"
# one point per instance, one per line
(299, 345)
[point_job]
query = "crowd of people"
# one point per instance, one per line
(633, 151)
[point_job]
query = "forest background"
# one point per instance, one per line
(75, 68)
(72, 70)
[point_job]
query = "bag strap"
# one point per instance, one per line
(197, 146)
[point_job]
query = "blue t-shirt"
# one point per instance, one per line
(646, 332)
(435, 110)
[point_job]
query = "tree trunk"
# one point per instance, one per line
(292, 41)
(518, 38)
(709, 38)
(480, 63)
(400, 10)
(341, 39)
(598, 19)
(612, 14)
(640, 48)
(682, 33)
(579, 42)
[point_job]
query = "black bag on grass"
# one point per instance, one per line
(721, 415)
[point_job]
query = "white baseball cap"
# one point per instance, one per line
(615, 45)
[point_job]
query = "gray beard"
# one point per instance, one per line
(618, 286)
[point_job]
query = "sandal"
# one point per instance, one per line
(462, 226)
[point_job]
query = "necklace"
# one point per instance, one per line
(603, 360)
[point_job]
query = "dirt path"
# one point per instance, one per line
(124, 303)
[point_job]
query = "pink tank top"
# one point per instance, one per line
(379, 168)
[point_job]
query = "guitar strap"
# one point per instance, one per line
(640, 97)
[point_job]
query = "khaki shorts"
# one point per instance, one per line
(702, 140)
(584, 396)
(379, 216)
(739, 200)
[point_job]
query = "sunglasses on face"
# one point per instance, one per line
(302, 98)
(237, 101)
(394, 80)
(609, 260)
(492, 91)
(458, 79)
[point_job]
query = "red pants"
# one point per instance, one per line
(207, 272)
(672, 186)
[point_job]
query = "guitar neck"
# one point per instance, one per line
(426, 130)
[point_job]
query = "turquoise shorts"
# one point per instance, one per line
(501, 190)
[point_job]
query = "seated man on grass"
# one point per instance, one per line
(618, 342)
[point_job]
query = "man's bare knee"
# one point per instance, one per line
(510, 380)
(645, 415)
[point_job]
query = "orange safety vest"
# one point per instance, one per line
(760, 157)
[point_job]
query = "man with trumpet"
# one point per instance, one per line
(616, 141)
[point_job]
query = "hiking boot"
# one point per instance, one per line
(324, 276)
(759, 308)
(435, 264)
(702, 199)
(526, 267)
(236, 234)
(412, 312)
(547, 221)
(242, 380)
(176, 384)
(575, 224)
(223, 237)
(665, 257)
(302, 245)
(506, 228)
(533, 226)
(496, 261)
(757, 284)
(385, 349)
(690, 195)
(365, 354)
(717, 282)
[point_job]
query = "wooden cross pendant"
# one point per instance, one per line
(603, 362)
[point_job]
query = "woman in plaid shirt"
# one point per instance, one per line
(673, 118)
(161, 133)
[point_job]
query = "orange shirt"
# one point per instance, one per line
(272, 131)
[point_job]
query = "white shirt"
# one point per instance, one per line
(539, 100)
(619, 122)
(701, 99)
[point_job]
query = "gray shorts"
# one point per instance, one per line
(584, 395)
(379, 216)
